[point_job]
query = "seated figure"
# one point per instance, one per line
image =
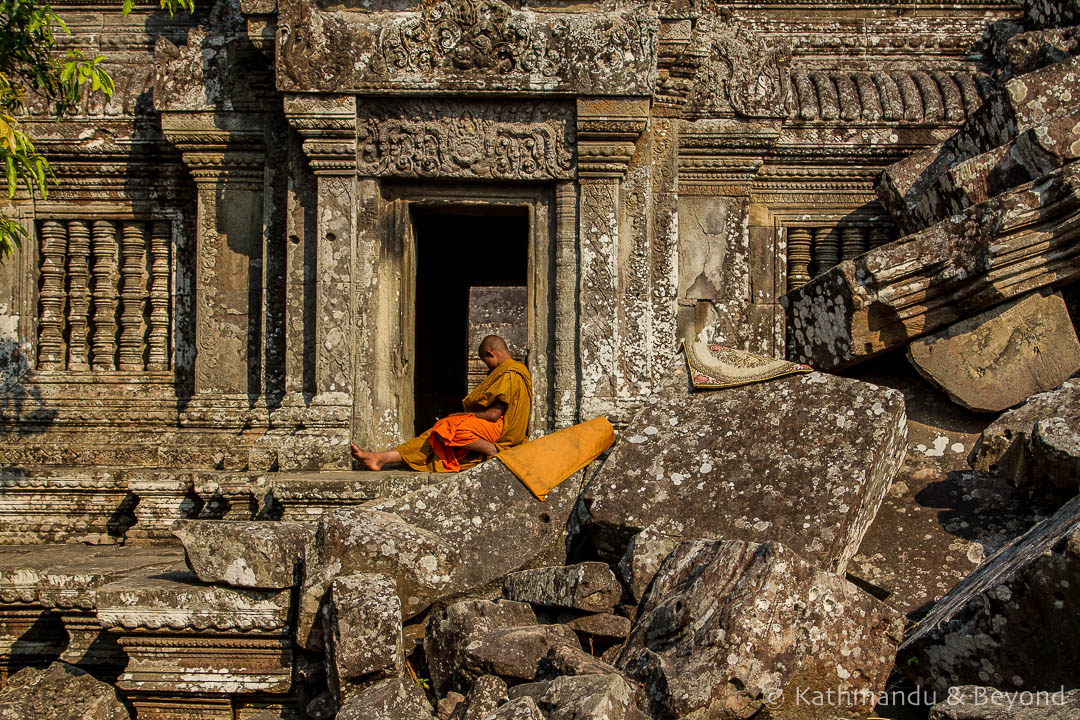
(496, 417)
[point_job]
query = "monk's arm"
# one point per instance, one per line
(492, 412)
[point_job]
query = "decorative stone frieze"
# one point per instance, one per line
(456, 46)
(462, 139)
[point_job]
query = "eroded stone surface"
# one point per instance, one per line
(245, 554)
(1051, 13)
(569, 660)
(589, 697)
(59, 692)
(362, 630)
(600, 625)
(452, 629)
(486, 694)
(988, 628)
(998, 358)
(804, 460)
(728, 622)
(589, 586)
(393, 699)
(1004, 449)
(523, 708)
(366, 540)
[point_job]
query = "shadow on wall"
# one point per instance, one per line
(22, 409)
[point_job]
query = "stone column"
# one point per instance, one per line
(607, 132)
(566, 263)
(320, 297)
(224, 152)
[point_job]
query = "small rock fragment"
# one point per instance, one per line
(484, 698)
(569, 660)
(447, 706)
(644, 555)
(521, 709)
(1055, 452)
(602, 626)
(515, 653)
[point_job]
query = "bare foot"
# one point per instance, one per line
(374, 461)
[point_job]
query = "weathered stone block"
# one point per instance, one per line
(1027, 51)
(589, 586)
(523, 708)
(586, 697)
(568, 660)
(605, 626)
(728, 624)
(486, 694)
(1001, 249)
(362, 631)
(1000, 357)
(304, 497)
(393, 699)
(366, 540)
(1052, 13)
(245, 554)
(492, 520)
(804, 460)
(973, 702)
(59, 692)
(450, 630)
(514, 653)
(1004, 446)
(986, 630)
(1025, 102)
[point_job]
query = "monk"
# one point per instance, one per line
(496, 417)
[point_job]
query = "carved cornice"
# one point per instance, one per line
(219, 146)
(607, 133)
(327, 123)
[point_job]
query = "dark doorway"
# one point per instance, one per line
(457, 249)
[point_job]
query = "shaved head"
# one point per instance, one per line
(492, 343)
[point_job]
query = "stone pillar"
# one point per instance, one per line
(607, 132)
(566, 262)
(224, 152)
(320, 296)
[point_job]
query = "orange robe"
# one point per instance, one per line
(439, 449)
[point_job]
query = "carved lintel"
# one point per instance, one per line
(219, 146)
(328, 125)
(607, 132)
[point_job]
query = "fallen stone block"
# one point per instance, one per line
(1052, 13)
(563, 660)
(448, 706)
(1055, 452)
(602, 626)
(991, 628)
(729, 624)
(1004, 446)
(484, 698)
(1025, 102)
(494, 522)
(245, 553)
(59, 692)
(363, 540)
(1027, 51)
(521, 709)
(393, 699)
(584, 697)
(643, 557)
(1000, 357)
(804, 460)
(1001, 249)
(514, 653)
(588, 586)
(973, 702)
(362, 631)
(451, 629)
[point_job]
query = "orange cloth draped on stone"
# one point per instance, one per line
(511, 383)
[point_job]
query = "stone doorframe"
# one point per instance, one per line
(374, 158)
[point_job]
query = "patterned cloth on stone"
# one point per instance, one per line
(715, 366)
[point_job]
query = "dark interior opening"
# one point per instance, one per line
(457, 249)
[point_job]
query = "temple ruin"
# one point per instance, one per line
(286, 229)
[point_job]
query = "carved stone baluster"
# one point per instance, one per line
(78, 251)
(103, 338)
(826, 249)
(798, 257)
(159, 296)
(879, 235)
(853, 241)
(51, 323)
(132, 296)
